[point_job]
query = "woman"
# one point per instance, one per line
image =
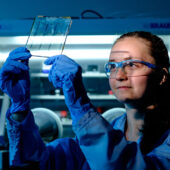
(138, 76)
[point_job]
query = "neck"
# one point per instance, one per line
(135, 121)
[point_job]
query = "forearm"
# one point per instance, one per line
(25, 143)
(19, 116)
(76, 98)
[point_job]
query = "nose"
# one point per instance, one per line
(120, 74)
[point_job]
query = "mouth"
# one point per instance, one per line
(123, 87)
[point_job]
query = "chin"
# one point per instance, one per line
(123, 100)
(126, 100)
(122, 97)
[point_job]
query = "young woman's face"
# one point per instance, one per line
(129, 89)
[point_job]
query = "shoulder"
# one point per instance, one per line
(163, 149)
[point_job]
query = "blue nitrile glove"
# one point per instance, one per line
(15, 80)
(66, 74)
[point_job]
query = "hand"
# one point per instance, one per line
(66, 74)
(15, 80)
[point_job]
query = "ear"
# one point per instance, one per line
(164, 76)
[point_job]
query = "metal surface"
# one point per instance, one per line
(4, 108)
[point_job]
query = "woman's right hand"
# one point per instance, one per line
(15, 79)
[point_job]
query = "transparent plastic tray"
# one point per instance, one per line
(48, 36)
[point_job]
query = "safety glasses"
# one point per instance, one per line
(129, 67)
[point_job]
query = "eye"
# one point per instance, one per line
(133, 64)
(130, 63)
(111, 66)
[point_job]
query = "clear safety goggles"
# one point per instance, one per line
(129, 67)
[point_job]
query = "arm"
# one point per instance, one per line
(103, 147)
(106, 148)
(67, 74)
(25, 143)
(24, 139)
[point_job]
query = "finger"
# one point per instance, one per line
(64, 67)
(57, 82)
(62, 62)
(19, 56)
(51, 75)
(66, 59)
(19, 65)
(61, 58)
(14, 66)
(51, 60)
(18, 50)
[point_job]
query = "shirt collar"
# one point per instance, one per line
(119, 124)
